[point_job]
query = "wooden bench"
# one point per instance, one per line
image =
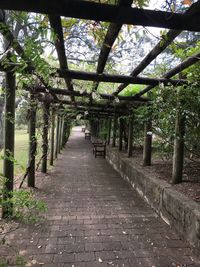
(87, 136)
(99, 148)
(83, 129)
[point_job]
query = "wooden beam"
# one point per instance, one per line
(32, 141)
(110, 13)
(9, 141)
(147, 143)
(121, 124)
(120, 108)
(64, 132)
(52, 136)
(184, 65)
(111, 36)
(109, 130)
(96, 105)
(130, 136)
(55, 22)
(158, 49)
(57, 135)
(60, 134)
(114, 130)
(67, 92)
(96, 110)
(178, 156)
(92, 76)
(45, 137)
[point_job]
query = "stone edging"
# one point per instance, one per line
(173, 207)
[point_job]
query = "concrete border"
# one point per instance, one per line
(174, 208)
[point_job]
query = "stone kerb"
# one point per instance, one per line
(173, 207)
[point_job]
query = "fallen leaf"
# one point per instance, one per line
(100, 260)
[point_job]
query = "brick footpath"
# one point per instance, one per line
(94, 219)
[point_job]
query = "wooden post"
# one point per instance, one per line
(52, 135)
(109, 130)
(64, 135)
(32, 141)
(178, 157)
(114, 131)
(9, 140)
(67, 131)
(45, 137)
(60, 134)
(130, 136)
(120, 134)
(57, 135)
(147, 147)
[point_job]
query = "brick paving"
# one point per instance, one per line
(94, 219)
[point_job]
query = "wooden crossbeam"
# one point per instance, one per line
(112, 78)
(111, 35)
(100, 111)
(92, 110)
(110, 13)
(185, 64)
(55, 22)
(106, 106)
(91, 76)
(67, 92)
(158, 49)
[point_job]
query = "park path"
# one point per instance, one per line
(95, 219)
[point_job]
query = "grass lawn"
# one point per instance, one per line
(21, 152)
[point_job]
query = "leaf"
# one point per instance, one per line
(100, 260)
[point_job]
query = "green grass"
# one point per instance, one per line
(21, 152)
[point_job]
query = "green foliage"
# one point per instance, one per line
(18, 261)
(103, 130)
(26, 207)
(131, 89)
(3, 263)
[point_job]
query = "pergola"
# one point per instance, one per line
(117, 15)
